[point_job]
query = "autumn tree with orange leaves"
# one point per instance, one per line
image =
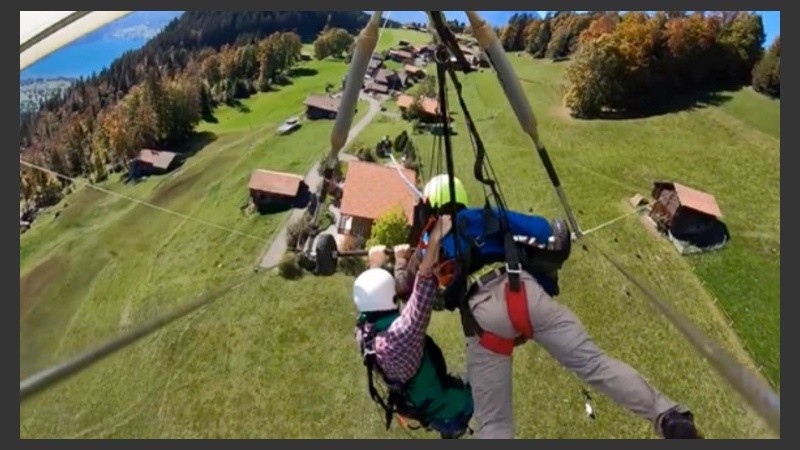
(642, 62)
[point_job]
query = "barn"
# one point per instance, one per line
(401, 56)
(414, 72)
(390, 79)
(691, 218)
(271, 191)
(370, 191)
(152, 162)
(377, 88)
(321, 107)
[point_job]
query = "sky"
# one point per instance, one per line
(97, 50)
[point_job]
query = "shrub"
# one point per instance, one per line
(288, 267)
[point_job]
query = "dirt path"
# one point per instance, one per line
(276, 250)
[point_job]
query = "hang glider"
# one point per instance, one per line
(43, 32)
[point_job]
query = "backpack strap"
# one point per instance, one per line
(370, 361)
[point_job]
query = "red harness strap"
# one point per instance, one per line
(517, 304)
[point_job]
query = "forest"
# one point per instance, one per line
(154, 96)
(629, 64)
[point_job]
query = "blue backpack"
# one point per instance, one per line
(542, 247)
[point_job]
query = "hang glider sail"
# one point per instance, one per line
(43, 32)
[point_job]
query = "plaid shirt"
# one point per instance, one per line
(399, 349)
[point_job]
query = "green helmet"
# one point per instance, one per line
(437, 191)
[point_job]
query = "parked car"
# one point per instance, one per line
(289, 126)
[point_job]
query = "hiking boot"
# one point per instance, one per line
(679, 425)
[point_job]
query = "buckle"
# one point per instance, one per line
(490, 276)
(516, 271)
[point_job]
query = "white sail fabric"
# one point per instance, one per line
(67, 26)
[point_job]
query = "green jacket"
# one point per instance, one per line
(436, 395)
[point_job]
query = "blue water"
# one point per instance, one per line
(82, 58)
(99, 49)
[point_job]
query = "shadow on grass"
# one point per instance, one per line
(195, 143)
(299, 72)
(680, 103)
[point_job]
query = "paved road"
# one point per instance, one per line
(277, 249)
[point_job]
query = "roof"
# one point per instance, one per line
(156, 158)
(371, 190)
(404, 101)
(373, 86)
(275, 182)
(410, 68)
(322, 102)
(401, 53)
(402, 76)
(382, 75)
(430, 106)
(694, 199)
(375, 63)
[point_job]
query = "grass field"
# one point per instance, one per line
(277, 359)
(389, 38)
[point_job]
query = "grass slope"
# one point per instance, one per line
(276, 358)
(114, 258)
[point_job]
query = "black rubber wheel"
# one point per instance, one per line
(326, 263)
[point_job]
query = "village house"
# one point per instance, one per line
(370, 191)
(414, 72)
(375, 63)
(152, 162)
(401, 56)
(270, 189)
(321, 107)
(389, 78)
(690, 217)
(377, 88)
(430, 107)
(427, 51)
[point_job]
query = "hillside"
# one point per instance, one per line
(275, 358)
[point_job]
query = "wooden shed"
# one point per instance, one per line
(687, 215)
(275, 190)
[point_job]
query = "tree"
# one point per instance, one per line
(595, 78)
(427, 87)
(539, 46)
(332, 42)
(390, 229)
(767, 73)
(602, 25)
(742, 39)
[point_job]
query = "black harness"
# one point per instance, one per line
(396, 399)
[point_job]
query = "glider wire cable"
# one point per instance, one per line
(54, 374)
(760, 396)
(755, 391)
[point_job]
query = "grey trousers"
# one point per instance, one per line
(560, 332)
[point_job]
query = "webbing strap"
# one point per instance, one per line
(517, 306)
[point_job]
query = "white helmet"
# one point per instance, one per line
(374, 290)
